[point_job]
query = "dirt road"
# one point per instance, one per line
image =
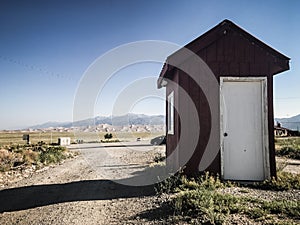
(80, 190)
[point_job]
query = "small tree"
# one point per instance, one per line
(108, 136)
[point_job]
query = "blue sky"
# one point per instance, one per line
(46, 46)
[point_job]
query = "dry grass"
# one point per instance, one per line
(8, 138)
(12, 156)
(288, 147)
(16, 137)
(197, 201)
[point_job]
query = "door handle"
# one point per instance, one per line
(225, 134)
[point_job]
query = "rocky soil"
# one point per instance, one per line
(79, 191)
(74, 192)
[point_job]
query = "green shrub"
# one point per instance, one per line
(289, 152)
(206, 205)
(15, 155)
(197, 200)
(255, 212)
(170, 184)
(53, 154)
(179, 182)
(288, 147)
(211, 207)
(285, 207)
(284, 181)
(210, 182)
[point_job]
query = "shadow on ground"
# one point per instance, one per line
(162, 213)
(27, 197)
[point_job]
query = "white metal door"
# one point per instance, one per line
(242, 127)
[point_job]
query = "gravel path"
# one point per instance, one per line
(78, 191)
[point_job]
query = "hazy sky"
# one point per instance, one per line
(46, 46)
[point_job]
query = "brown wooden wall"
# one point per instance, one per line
(230, 55)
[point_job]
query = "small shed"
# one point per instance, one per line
(243, 136)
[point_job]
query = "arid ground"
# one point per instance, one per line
(80, 190)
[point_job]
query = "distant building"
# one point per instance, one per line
(280, 131)
(64, 141)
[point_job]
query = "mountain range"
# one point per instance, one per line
(292, 123)
(129, 119)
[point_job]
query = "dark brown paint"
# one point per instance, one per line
(229, 51)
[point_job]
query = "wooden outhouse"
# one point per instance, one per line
(243, 67)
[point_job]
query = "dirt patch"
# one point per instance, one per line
(288, 165)
(74, 192)
(78, 191)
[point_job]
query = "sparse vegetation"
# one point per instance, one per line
(288, 147)
(16, 137)
(52, 154)
(198, 200)
(285, 181)
(12, 156)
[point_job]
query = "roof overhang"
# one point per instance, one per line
(281, 62)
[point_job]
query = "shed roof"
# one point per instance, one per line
(217, 32)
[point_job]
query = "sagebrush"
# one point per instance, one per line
(12, 156)
(198, 200)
